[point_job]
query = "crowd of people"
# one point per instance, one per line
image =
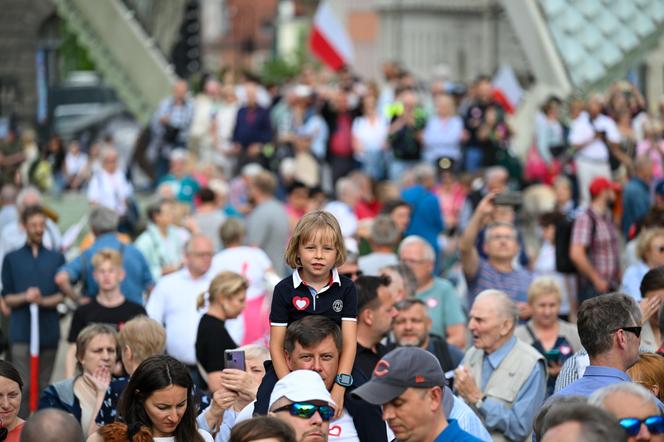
(330, 259)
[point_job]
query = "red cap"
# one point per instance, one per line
(600, 184)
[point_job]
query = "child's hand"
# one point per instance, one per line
(338, 397)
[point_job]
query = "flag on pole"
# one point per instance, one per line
(34, 356)
(506, 88)
(329, 40)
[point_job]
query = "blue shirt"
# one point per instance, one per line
(454, 433)
(22, 270)
(516, 423)
(636, 203)
(465, 417)
(137, 271)
(426, 220)
(594, 378)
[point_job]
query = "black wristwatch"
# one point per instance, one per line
(343, 379)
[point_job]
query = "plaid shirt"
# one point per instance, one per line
(602, 247)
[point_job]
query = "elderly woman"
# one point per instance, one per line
(556, 339)
(650, 251)
(96, 351)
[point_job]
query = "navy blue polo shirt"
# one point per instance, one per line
(454, 433)
(22, 270)
(293, 299)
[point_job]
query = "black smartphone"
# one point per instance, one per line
(234, 359)
(508, 199)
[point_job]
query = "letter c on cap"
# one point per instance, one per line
(382, 368)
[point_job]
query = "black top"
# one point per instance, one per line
(211, 341)
(366, 360)
(291, 303)
(94, 312)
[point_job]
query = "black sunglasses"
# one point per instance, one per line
(632, 425)
(635, 330)
(350, 275)
(306, 410)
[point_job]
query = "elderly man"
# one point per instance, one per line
(173, 301)
(634, 407)
(138, 279)
(497, 271)
(580, 422)
(437, 293)
(501, 377)
(410, 385)
(301, 400)
(412, 328)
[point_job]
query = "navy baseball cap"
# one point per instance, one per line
(398, 370)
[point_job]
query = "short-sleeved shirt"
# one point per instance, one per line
(443, 305)
(603, 246)
(22, 270)
(514, 283)
(94, 312)
(293, 299)
(211, 341)
(137, 279)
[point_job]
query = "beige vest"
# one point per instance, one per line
(508, 378)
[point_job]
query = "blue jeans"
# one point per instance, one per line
(473, 158)
(396, 168)
(374, 164)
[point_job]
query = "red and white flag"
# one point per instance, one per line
(329, 39)
(34, 356)
(506, 89)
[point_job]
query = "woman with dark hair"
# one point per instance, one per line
(264, 428)
(11, 387)
(156, 405)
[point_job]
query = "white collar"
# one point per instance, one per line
(297, 279)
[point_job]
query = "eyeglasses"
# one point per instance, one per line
(352, 275)
(306, 410)
(632, 425)
(635, 330)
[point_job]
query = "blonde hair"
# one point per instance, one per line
(645, 238)
(649, 371)
(144, 336)
(88, 334)
(225, 285)
(107, 255)
(308, 227)
(543, 285)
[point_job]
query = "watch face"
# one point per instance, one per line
(345, 379)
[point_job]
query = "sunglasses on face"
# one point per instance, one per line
(632, 425)
(351, 275)
(635, 330)
(306, 410)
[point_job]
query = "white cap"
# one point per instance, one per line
(301, 386)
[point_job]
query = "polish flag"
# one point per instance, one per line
(34, 357)
(506, 89)
(329, 40)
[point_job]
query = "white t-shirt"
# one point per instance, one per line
(206, 436)
(74, 164)
(372, 135)
(250, 262)
(110, 190)
(173, 304)
(583, 130)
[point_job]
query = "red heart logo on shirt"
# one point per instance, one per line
(300, 303)
(335, 431)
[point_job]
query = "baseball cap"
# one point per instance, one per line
(301, 386)
(402, 368)
(601, 184)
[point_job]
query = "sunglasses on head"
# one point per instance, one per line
(306, 410)
(632, 425)
(636, 330)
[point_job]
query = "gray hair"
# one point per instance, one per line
(596, 424)
(343, 186)
(8, 194)
(495, 172)
(599, 397)
(24, 194)
(52, 425)
(427, 250)
(506, 307)
(103, 220)
(423, 171)
(384, 232)
(254, 351)
(407, 276)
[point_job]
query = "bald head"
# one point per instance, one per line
(52, 425)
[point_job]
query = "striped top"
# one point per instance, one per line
(514, 283)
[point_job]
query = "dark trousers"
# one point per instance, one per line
(20, 354)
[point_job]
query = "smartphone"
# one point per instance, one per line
(234, 359)
(508, 199)
(553, 356)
